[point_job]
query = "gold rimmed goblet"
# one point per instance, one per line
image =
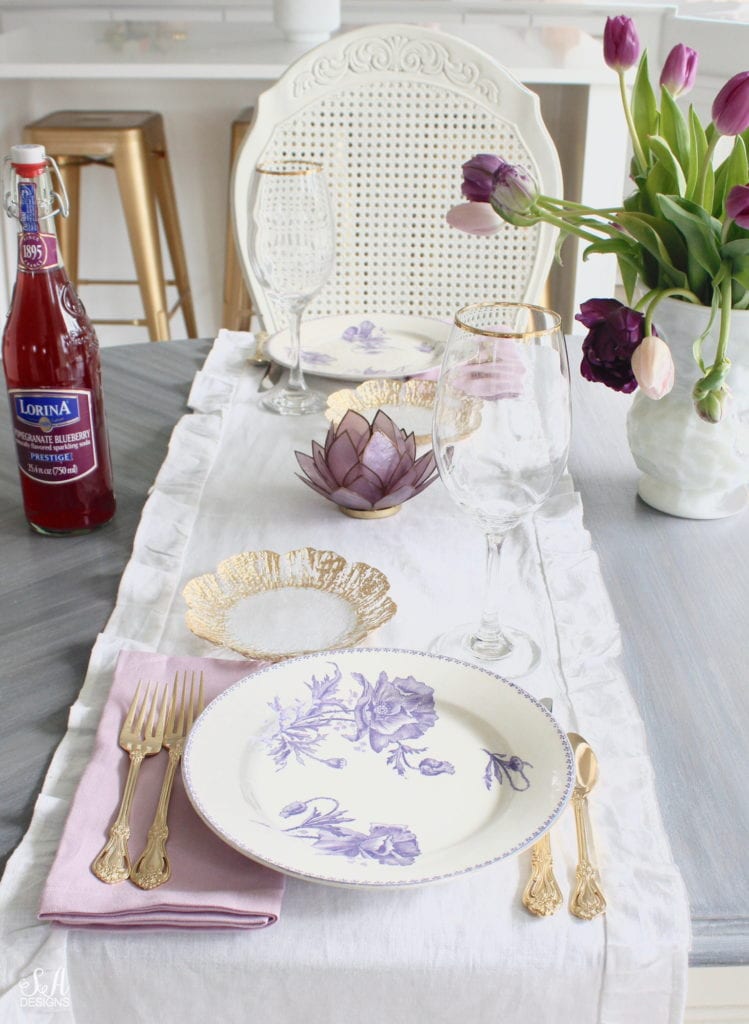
(292, 252)
(510, 360)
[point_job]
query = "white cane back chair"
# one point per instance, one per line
(391, 112)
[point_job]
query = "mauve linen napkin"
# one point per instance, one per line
(211, 886)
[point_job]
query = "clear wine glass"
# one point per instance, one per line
(292, 252)
(501, 438)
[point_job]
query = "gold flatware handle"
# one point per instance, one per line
(112, 865)
(542, 895)
(587, 900)
(152, 868)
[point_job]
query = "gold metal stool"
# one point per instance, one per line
(134, 144)
(237, 307)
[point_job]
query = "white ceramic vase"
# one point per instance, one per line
(307, 21)
(690, 468)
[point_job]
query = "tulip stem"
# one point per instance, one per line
(636, 144)
(699, 195)
(652, 298)
(566, 226)
(725, 321)
(568, 204)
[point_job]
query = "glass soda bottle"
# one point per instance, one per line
(51, 363)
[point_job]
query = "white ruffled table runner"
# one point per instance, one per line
(462, 950)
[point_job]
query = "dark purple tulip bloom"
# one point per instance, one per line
(737, 205)
(394, 710)
(680, 70)
(614, 332)
(478, 177)
(621, 45)
(731, 106)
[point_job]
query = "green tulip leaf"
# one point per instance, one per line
(736, 249)
(658, 238)
(644, 106)
(700, 230)
(697, 153)
(673, 128)
(671, 166)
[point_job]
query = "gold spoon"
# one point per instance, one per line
(587, 901)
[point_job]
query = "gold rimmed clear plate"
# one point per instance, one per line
(409, 404)
(272, 606)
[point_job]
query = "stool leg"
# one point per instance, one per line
(138, 203)
(67, 227)
(237, 308)
(164, 188)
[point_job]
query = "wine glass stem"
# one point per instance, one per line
(296, 380)
(489, 634)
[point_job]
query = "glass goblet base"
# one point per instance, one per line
(291, 402)
(518, 656)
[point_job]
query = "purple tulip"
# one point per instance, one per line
(737, 205)
(614, 332)
(365, 466)
(515, 190)
(731, 106)
(478, 177)
(680, 70)
(621, 45)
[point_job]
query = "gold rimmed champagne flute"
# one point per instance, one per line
(292, 252)
(510, 361)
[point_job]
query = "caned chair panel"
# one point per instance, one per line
(392, 111)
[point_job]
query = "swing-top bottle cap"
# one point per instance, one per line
(28, 154)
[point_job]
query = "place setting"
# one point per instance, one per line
(315, 757)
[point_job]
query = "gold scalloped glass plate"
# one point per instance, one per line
(409, 404)
(272, 606)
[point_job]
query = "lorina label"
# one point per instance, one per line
(54, 433)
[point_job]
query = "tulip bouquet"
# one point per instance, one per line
(683, 232)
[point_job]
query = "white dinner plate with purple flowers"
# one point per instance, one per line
(358, 348)
(377, 767)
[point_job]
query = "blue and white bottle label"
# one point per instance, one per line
(37, 250)
(54, 433)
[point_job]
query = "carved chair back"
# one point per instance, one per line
(392, 111)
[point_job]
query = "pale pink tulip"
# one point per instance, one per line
(474, 218)
(653, 367)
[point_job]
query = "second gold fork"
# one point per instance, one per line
(152, 867)
(140, 738)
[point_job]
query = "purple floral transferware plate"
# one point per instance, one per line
(377, 767)
(359, 347)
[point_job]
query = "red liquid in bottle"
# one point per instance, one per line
(53, 374)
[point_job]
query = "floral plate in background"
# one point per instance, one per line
(357, 347)
(377, 767)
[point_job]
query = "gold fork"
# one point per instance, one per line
(139, 740)
(153, 868)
